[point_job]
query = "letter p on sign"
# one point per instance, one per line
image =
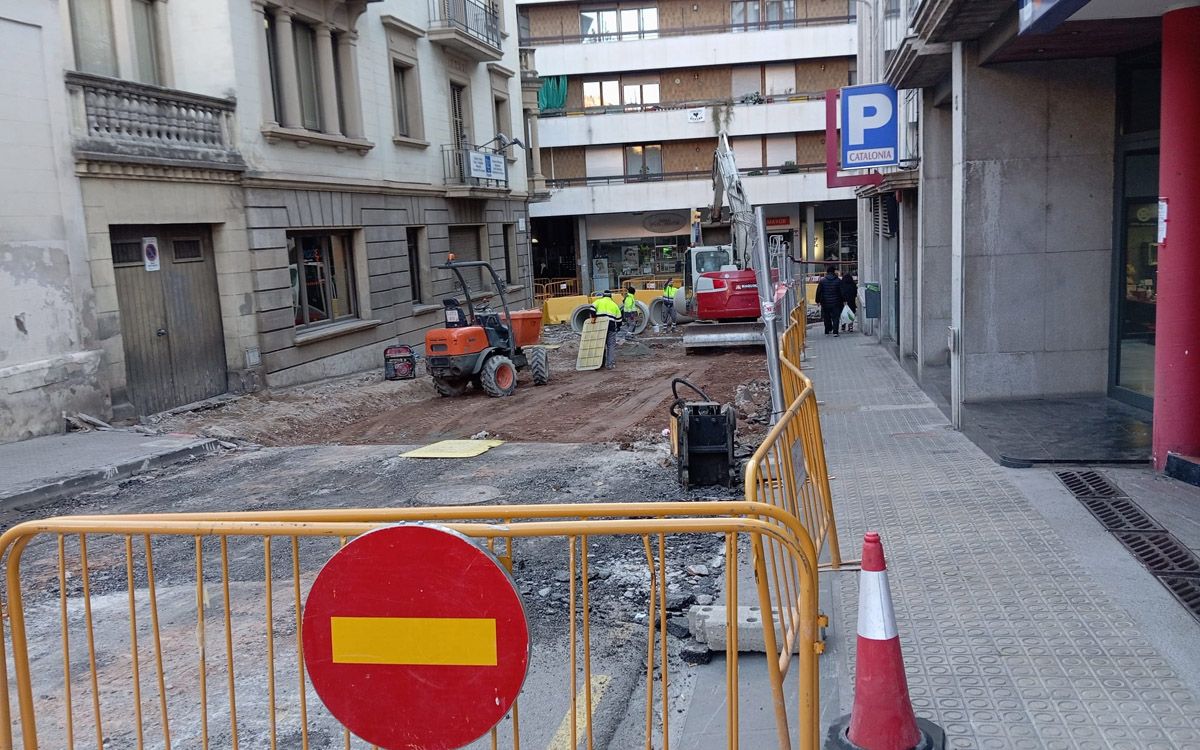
(870, 126)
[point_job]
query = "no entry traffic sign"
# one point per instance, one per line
(414, 637)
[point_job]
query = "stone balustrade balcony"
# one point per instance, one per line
(118, 121)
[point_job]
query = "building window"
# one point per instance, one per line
(322, 278)
(641, 93)
(305, 37)
(309, 64)
(502, 115)
(602, 93)
(598, 25)
(460, 116)
(639, 23)
(644, 162)
(402, 83)
(145, 40)
(273, 66)
(511, 259)
(613, 25)
(92, 34)
(467, 243)
(417, 278)
(744, 15)
(780, 13)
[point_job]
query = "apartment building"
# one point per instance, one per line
(1045, 238)
(207, 197)
(633, 97)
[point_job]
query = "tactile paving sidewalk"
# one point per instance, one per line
(1008, 641)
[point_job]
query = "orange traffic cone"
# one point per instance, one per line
(882, 717)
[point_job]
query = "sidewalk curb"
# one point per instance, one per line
(37, 496)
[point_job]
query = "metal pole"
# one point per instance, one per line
(766, 303)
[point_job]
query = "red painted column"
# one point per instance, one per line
(1177, 323)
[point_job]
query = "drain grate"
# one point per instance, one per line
(1120, 514)
(1186, 590)
(1175, 566)
(1161, 553)
(1088, 484)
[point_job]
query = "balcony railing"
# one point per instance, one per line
(119, 120)
(629, 179)
(480, 20)
(528, 66)
(475, 167)
(748, 99)
(726, 28)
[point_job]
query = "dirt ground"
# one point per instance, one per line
(625, 405)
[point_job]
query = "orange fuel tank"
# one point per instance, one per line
(453, 342)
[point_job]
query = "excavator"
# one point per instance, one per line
(725, 295)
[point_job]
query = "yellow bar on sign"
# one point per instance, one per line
(456, 641)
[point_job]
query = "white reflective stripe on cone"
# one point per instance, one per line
(876, 619)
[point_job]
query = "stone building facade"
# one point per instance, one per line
(249, 194)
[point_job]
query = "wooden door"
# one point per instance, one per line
(170, 319)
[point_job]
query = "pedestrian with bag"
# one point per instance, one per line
(829, 297)
(850, 300)
(604, 309)
(629, 310)
(669, 304)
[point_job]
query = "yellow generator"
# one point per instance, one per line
(702, 437)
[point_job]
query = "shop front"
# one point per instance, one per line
(1135, 263)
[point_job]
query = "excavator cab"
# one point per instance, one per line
(481, 347)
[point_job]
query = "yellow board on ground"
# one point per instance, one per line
(453, 449)
(591, 345)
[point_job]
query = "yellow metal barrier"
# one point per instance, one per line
(544, 289)
(91, 591)
(795, 337)
(788, 473)
(184, 629)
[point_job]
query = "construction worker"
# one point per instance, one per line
(669, 303)
(629, 309)
(605, 309)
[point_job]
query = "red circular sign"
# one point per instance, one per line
(415, 637)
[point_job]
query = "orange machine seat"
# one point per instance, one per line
(452, 342)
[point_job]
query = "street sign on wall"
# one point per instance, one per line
(870, 126)
(414, 636)
(485, 166)
(150, 257)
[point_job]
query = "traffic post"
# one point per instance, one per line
(414, 636)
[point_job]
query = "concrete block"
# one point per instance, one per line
(384, 217)
(1005, 207)
(278, 278)
(708, 626)
(993, 375)
(274, 299)
(267, 216)
(1080, 104)
(260, 239)
(1076, 282)
(275, 257)
(1079, 203)
(1072, 373)
(1005, 303)
(1018, 90)
(103, 273)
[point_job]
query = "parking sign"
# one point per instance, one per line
(870, 126)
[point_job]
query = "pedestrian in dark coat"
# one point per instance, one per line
(850, 296)
(829, 297)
